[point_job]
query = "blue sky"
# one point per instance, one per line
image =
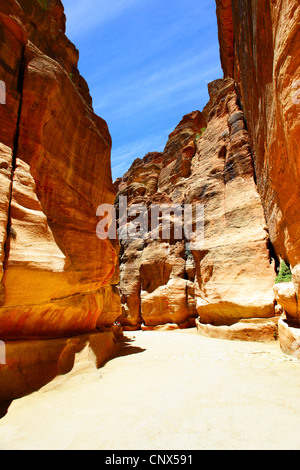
(147, 64)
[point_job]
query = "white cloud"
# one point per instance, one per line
(84, 15)
(139, 95)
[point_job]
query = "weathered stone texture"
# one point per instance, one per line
(207, 160)
(54, 172)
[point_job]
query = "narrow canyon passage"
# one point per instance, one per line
(165, 390)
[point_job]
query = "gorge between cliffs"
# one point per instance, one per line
(74, 304)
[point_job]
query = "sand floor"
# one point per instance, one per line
(166, 391)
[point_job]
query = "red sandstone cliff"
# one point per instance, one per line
(208, 161)
(56, 277)
(259, 46)
(55, 172)
(250, 192)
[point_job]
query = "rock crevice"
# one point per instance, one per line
(10, 232)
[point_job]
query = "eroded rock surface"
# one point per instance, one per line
(207, 161)
(286, 297)
(55, 171)
(259, 44)
(57, 279)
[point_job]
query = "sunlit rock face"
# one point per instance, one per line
(57, 278)
(234, 271)
(207, 162)
(259, 44)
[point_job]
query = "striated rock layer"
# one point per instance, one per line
(57, 278)
(206, 161)
(259, 44)
(56, 275)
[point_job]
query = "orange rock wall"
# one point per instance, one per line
(207, 160)
(57, 278)
(260, 44)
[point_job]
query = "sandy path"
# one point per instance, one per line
(168, 390)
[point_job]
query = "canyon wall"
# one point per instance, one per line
(259, 46)
(207, 161)
(57, 279)
(240, 158)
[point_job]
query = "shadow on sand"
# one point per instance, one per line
(127, 349)
(4, 408)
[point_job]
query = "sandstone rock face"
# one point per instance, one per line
(259, 44)
(258, 330)
(226, 36)
(207, 161)
(289, 338)
(154, 283)
(285, 295)
(57, 278)
(234, 272)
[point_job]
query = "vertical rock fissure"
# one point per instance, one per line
(272, 253)
(9, 232)
(140, 305)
